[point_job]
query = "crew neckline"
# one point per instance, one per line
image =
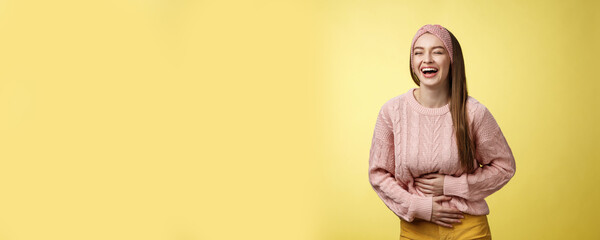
(412, 100)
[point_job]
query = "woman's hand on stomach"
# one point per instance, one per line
(444, 216)
(432, 183)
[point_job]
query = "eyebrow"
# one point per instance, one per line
(433, 47)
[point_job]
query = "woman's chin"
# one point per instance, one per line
(431, 82)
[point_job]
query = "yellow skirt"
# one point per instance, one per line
(470, 227)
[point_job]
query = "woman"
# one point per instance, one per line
(436, 152)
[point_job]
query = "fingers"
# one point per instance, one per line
(452, 211)
(430, 176)
(426, 190)
(423, 180)
(453, 216)
(442, 198)
(448, 221)
(445, 212)
(443, 224)
(423, 186)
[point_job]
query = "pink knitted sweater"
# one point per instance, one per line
(411, 140)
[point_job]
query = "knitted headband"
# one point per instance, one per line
(437, 30)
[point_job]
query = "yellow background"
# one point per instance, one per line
(155, 119)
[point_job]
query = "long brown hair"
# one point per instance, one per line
(457, 88)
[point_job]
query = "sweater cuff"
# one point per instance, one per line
(422, 207)
(456, 186)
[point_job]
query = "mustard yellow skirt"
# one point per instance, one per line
(470, 227)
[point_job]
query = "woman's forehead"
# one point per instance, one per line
(428, 40)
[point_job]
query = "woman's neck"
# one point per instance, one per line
(432, 98)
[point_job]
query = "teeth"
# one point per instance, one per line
(428, 69)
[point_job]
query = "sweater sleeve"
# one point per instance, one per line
(495, 156)
(381, 175)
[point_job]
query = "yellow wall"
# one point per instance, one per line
(155, 119)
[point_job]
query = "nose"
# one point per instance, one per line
(427, 58)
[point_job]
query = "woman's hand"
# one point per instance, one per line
(432, 183)
(444, 216)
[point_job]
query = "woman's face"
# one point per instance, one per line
(431, 61)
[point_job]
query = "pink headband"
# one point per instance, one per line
(437, 30)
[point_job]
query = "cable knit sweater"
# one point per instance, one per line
(411, 140)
